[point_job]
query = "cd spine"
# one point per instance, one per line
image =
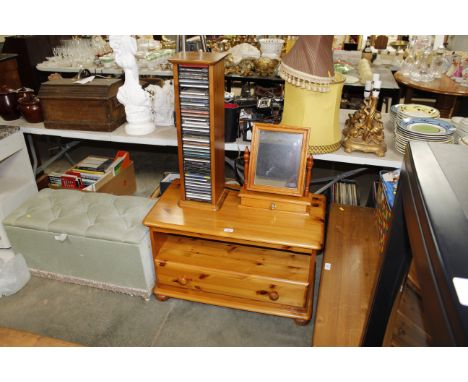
(194, 102)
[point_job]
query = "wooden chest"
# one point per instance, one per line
(92, 106)
(237, 257)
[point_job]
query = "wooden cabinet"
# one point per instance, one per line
(238, 257)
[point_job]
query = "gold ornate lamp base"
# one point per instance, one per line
(364, 130)
(352, 144)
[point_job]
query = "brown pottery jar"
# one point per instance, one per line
(30, 108)
(23, 92)
(8, 104)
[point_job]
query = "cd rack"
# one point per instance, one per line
(199, 104)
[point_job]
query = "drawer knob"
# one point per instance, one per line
(273, 295)
(182, 281)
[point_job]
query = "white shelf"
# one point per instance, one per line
(167, 136)
(43, 67)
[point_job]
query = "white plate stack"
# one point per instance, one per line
(422, 129)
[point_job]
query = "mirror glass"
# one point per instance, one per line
(278, 159)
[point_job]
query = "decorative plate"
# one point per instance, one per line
(415, 110)
(427, 126)
(429, 138)
(394, 109)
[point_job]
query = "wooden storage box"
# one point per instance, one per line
(92, 106)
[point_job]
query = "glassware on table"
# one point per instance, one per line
(438, 64)
(424, 68)
(408, 65)
(76, 52)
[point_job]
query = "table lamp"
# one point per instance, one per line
(313, 92)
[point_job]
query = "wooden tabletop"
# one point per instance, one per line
(239, 224)
(349, 270)
(201, 58)
(443, 85)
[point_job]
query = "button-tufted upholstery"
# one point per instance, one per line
(86, 238)
(94, 215)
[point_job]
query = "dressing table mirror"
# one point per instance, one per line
(278, 169)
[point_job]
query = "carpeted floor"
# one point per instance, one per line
(94, 317)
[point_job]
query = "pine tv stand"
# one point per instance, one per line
(238, 257)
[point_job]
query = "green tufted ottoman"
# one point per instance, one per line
(87, 238)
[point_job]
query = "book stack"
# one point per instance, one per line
(68, 179)
(195, 127)
(91, 170)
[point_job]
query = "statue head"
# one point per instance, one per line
(124, 48)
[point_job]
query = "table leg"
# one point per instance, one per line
(395, 97)
(446, 105)
(63, 152)
(161, 297)
(409, 95)
(301, 322)
(228, 85)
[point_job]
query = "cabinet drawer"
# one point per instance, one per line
(275, 205)
(249, 272)
(227, 283)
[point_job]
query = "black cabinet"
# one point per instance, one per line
(429, 226)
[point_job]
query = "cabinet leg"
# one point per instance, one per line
(161, 297)
(301, 322)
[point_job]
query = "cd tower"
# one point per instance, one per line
(199, 106)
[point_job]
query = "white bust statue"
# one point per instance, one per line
(135, 100)
(163, 103)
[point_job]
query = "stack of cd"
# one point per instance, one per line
(403, 111)
(422, 129)
(195, 127)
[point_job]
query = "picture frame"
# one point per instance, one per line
(278, 159)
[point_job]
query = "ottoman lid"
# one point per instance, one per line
(86, 214)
